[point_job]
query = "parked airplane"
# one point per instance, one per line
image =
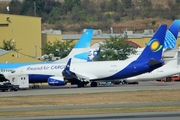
(81, 73)
(169, 69)
(80, 50)
(149, 60)
(170, 42)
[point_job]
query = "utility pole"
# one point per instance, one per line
(34, 8)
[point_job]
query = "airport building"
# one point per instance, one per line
(25, 32)
(13, 56)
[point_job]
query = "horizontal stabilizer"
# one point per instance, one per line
(153, 63)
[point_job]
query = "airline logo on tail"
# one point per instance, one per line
(171, 35)
(155, 45)
(83, 56)
(170, 40)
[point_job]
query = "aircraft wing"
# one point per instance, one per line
(85, 76)
(80, 75)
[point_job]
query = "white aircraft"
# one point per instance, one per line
(149, 60)
(169, 69)
(83, 72)
(80, 52)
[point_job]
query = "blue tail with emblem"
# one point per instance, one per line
(154, 48)
(171, 35)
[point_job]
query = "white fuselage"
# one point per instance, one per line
(159, 73)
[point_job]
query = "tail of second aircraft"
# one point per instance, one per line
(152, 53)
(174, 62)
(155, 46)
(171, 35)
(81, 49)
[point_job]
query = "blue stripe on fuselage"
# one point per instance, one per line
(38, 78)
(134, 68)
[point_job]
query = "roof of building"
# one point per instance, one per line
(2, 52)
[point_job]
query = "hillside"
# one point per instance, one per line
(72, 17)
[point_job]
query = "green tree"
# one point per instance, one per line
(15, 7)
(104, 6)
(58, 48)
(27, 7)
(147, 8)
(177, 1)
(113, 6)
(68, 5)
(54, 15)
(9, 45)
(127, 3)
(116, 49)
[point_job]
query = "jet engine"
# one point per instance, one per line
(56, 81)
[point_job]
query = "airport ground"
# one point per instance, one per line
(70, 100)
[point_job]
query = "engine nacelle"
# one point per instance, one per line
(56, 81)
(131, 79)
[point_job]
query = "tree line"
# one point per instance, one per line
(92, 13)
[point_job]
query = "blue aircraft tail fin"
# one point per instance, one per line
(80, 50)
(85, 40)
(154, 48)
(171, 35)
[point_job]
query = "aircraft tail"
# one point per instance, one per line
(175, 62)
(93, 55)
(171, 35)
(154, 48)
(81, 49)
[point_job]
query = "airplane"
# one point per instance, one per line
(170, 42)
(81, 73)
(170, 68)
(84, 42)
(149, 60)
(79, 52)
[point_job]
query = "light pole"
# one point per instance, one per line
(12, 44)
(7, 8)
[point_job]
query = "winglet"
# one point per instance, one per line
(67, 68)
(155, 46)
(171, 35)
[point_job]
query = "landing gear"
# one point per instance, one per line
(123, 82)
(35, 86)
(93, 84)
(168, 79)
(80, 84)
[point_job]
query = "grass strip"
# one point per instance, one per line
(83, 111)
(90, 98)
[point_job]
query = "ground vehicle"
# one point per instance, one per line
(8, 86)
(123, 82)
(171, 78)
